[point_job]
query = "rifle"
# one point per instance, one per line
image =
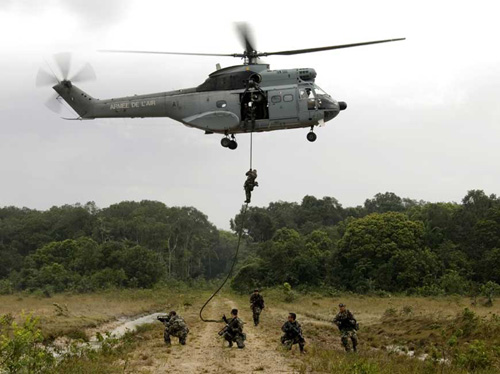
(225, 328)
(296, 331)
(347, 323)
(228, 325)
(163, 318)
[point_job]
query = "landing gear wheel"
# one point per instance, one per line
(225, 142)
(311, 136)
(232, 144)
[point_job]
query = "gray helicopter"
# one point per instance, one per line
(237, 99)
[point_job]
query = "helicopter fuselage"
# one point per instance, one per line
(237, 99)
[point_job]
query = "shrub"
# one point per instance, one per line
(6, 287)
(453, 283)
(490, 289)
(247, 278)
(390, 312)
(475, 357)
(21, 348)
(289, 295)
(407, 310)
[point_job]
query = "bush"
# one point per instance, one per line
(468, 322)
(6, 287)
(247, 278)
(21, 348)
(475, 357)
(490, 289)
(431, 290)
(390, 312)
(289, 295)
(453, 283)
(407, 310)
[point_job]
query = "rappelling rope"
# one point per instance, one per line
(240, 234)
(230, 271)
(251, 149)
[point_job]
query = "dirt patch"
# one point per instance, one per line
(206, 352)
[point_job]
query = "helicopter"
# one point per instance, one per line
(237, 99)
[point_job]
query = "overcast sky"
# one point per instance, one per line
(422, 118)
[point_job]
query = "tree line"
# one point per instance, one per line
(389, 244)
(129, 244)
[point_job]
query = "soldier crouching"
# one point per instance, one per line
(347, 325)
(233, 331)
(293, 333)
(174, 326)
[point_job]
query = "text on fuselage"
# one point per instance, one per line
(132, 104)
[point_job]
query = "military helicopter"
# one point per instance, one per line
(237, 99)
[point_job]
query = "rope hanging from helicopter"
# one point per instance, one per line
(235, 258)
(252, 87)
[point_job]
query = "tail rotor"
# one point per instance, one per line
(49, 78)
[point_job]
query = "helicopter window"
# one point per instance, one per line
(287, 97)
(319, 91)
(221, 104)
(276, 99)
(306, 93)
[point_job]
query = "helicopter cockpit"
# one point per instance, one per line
(316, 97)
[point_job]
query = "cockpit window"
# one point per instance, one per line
(276, 99)
(287, 97)
(319, 91)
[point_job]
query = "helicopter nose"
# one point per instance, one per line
(342, 105)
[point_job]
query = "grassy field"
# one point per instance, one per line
(73, 314)
(451, 334)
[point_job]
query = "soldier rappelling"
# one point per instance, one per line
(250, 183)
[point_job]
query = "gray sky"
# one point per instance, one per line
(422, 117)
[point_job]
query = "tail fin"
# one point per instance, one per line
(81, 102)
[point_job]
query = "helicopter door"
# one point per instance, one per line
(282, 104)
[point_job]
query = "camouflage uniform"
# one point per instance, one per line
(250, 183)
(293, 335)
(347, 325)
(175, 326)
(234, 332)
(256, 304)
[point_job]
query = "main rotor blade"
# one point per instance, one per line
(173, 53)
(43, 79)
(86, 73)
(64, 62)
(309, 50)
(246, 36)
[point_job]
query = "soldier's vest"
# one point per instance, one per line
(177, 324)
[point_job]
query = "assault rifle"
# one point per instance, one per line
(163, 318)
(297, 332)
(228, 325)
(347, 324)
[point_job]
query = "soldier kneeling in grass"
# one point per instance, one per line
(174, 326)
(233, 331)
(347, 325)
(293, 333)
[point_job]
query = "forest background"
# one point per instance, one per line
(388, 245)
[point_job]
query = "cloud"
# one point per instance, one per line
(95, 13)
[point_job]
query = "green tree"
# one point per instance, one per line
(383, 251)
